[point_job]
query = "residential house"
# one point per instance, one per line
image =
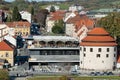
(26, 16)
(7, 52)
(52, 18)
(69, 25)
(83, 26)
(75, 7)
(55, 6)
(3, 31)
(19, 27)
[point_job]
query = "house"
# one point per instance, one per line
(7, 52)
(3, 31)
(52, 18)
(75, 7)
(55, 6)
(98, 47)
(69, 25)
(83, 26)
(26, 16)
(19, 27)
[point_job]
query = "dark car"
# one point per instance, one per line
(110, 73)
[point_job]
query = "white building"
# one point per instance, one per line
(26, 15)
(98, 51)
(49, 7)
(75, 8)
(3, 31)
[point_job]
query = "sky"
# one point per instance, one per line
(36, 0)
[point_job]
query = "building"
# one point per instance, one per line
(82, 27)
(75, 7)
(19, 27)
(55, 6)
(51, 51)
(26, 16)
(53, 17)
(7, 52)
(3, 31)
(98, 51)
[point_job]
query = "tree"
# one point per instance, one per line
(16, 15)
(58, 28)
(52, 9)
(111, 24)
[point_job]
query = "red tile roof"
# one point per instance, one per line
(73, 19)
(4, 46)
(18, 23)
(98, 37)
(57, 15)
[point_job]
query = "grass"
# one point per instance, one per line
(76, 78)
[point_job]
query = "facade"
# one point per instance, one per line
(19, 27)
(26, 16)
(53, 51)
(98, 51)
(7, 52)
(52, 18)
(3, 31)
(75, 8)
(55, 6)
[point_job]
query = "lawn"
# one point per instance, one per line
(75, 78)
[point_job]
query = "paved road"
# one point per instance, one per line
(18, 78)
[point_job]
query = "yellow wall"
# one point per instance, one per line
(23, 30)
(9, 57)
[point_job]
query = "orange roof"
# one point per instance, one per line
(89, 23)
(98, 31)
(57, 15)
(98, 37)
(4, 46)
(18, 23)
(73, 19)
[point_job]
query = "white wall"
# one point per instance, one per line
(90, 61)
(69, 29)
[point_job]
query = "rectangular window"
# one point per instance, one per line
(84, 54)
(107, 55)
(99, 50)
(6, 54)
(80, 48)
(84, 49)
(91, 49)
(114, 48)
(114, 55)
(108, 49)
(98, 55)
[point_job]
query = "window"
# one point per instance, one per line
(102, 61)
(114, 55)
(108, 50)
(114, 48)
(91, 49)
(98, 55)
(107, 55)
(84, 49)
(99, 49)
(84, 54)
(6, 54)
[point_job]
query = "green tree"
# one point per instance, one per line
(15, 14)
(52, 9)
(111, 23)
(32, 10)
(59, 27)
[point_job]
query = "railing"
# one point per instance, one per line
(54, 58)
